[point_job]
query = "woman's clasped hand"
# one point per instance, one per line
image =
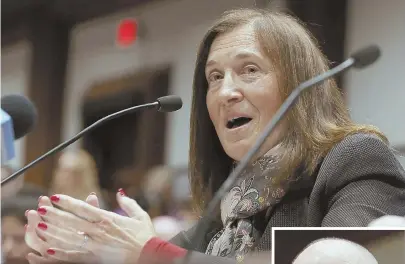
(64, 229)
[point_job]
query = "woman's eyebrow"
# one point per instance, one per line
(242, 55)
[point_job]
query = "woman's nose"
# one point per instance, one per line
(230, 92)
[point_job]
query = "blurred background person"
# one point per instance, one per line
(76, 175)
(169, 199)
(166, 227)
(157, 188)
(13, 220)
(12, 186)
(185, 211)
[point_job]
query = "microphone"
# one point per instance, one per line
(359, 59)
(18, 117)
(168, 103)
(366, 56)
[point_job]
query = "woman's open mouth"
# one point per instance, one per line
(237, 122)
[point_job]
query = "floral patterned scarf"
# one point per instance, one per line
(253, 192)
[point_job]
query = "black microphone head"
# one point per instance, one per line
(366, 56)
(169, 103)
(22, 111)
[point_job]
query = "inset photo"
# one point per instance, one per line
(338, 246)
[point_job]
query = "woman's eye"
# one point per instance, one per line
(250, 69)
(214, 77)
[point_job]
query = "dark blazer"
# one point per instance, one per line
(359, 180)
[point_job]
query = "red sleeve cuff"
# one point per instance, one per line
(161, 249)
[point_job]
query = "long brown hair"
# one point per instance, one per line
(317, 121)
(86, 169)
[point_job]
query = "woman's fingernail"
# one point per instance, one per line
(39, 198)
(121, 191)
(55, 198)
(50, 252)
(92, 193)
(42, 226)
(41, 211)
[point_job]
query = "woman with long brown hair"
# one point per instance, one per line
(76, 175)
(318, 168)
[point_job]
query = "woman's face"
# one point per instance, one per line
(68, 171)
(243, 93)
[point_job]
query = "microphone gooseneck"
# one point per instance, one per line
(167, 105)
(360, 59)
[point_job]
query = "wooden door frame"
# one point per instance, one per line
(150, 140)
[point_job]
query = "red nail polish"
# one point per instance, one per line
(55, 198)
(42, 226)
(41, 211)
(50, 252)
(121, 191)
(39, 198)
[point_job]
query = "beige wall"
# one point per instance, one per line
(173, 30)
(376, 94)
